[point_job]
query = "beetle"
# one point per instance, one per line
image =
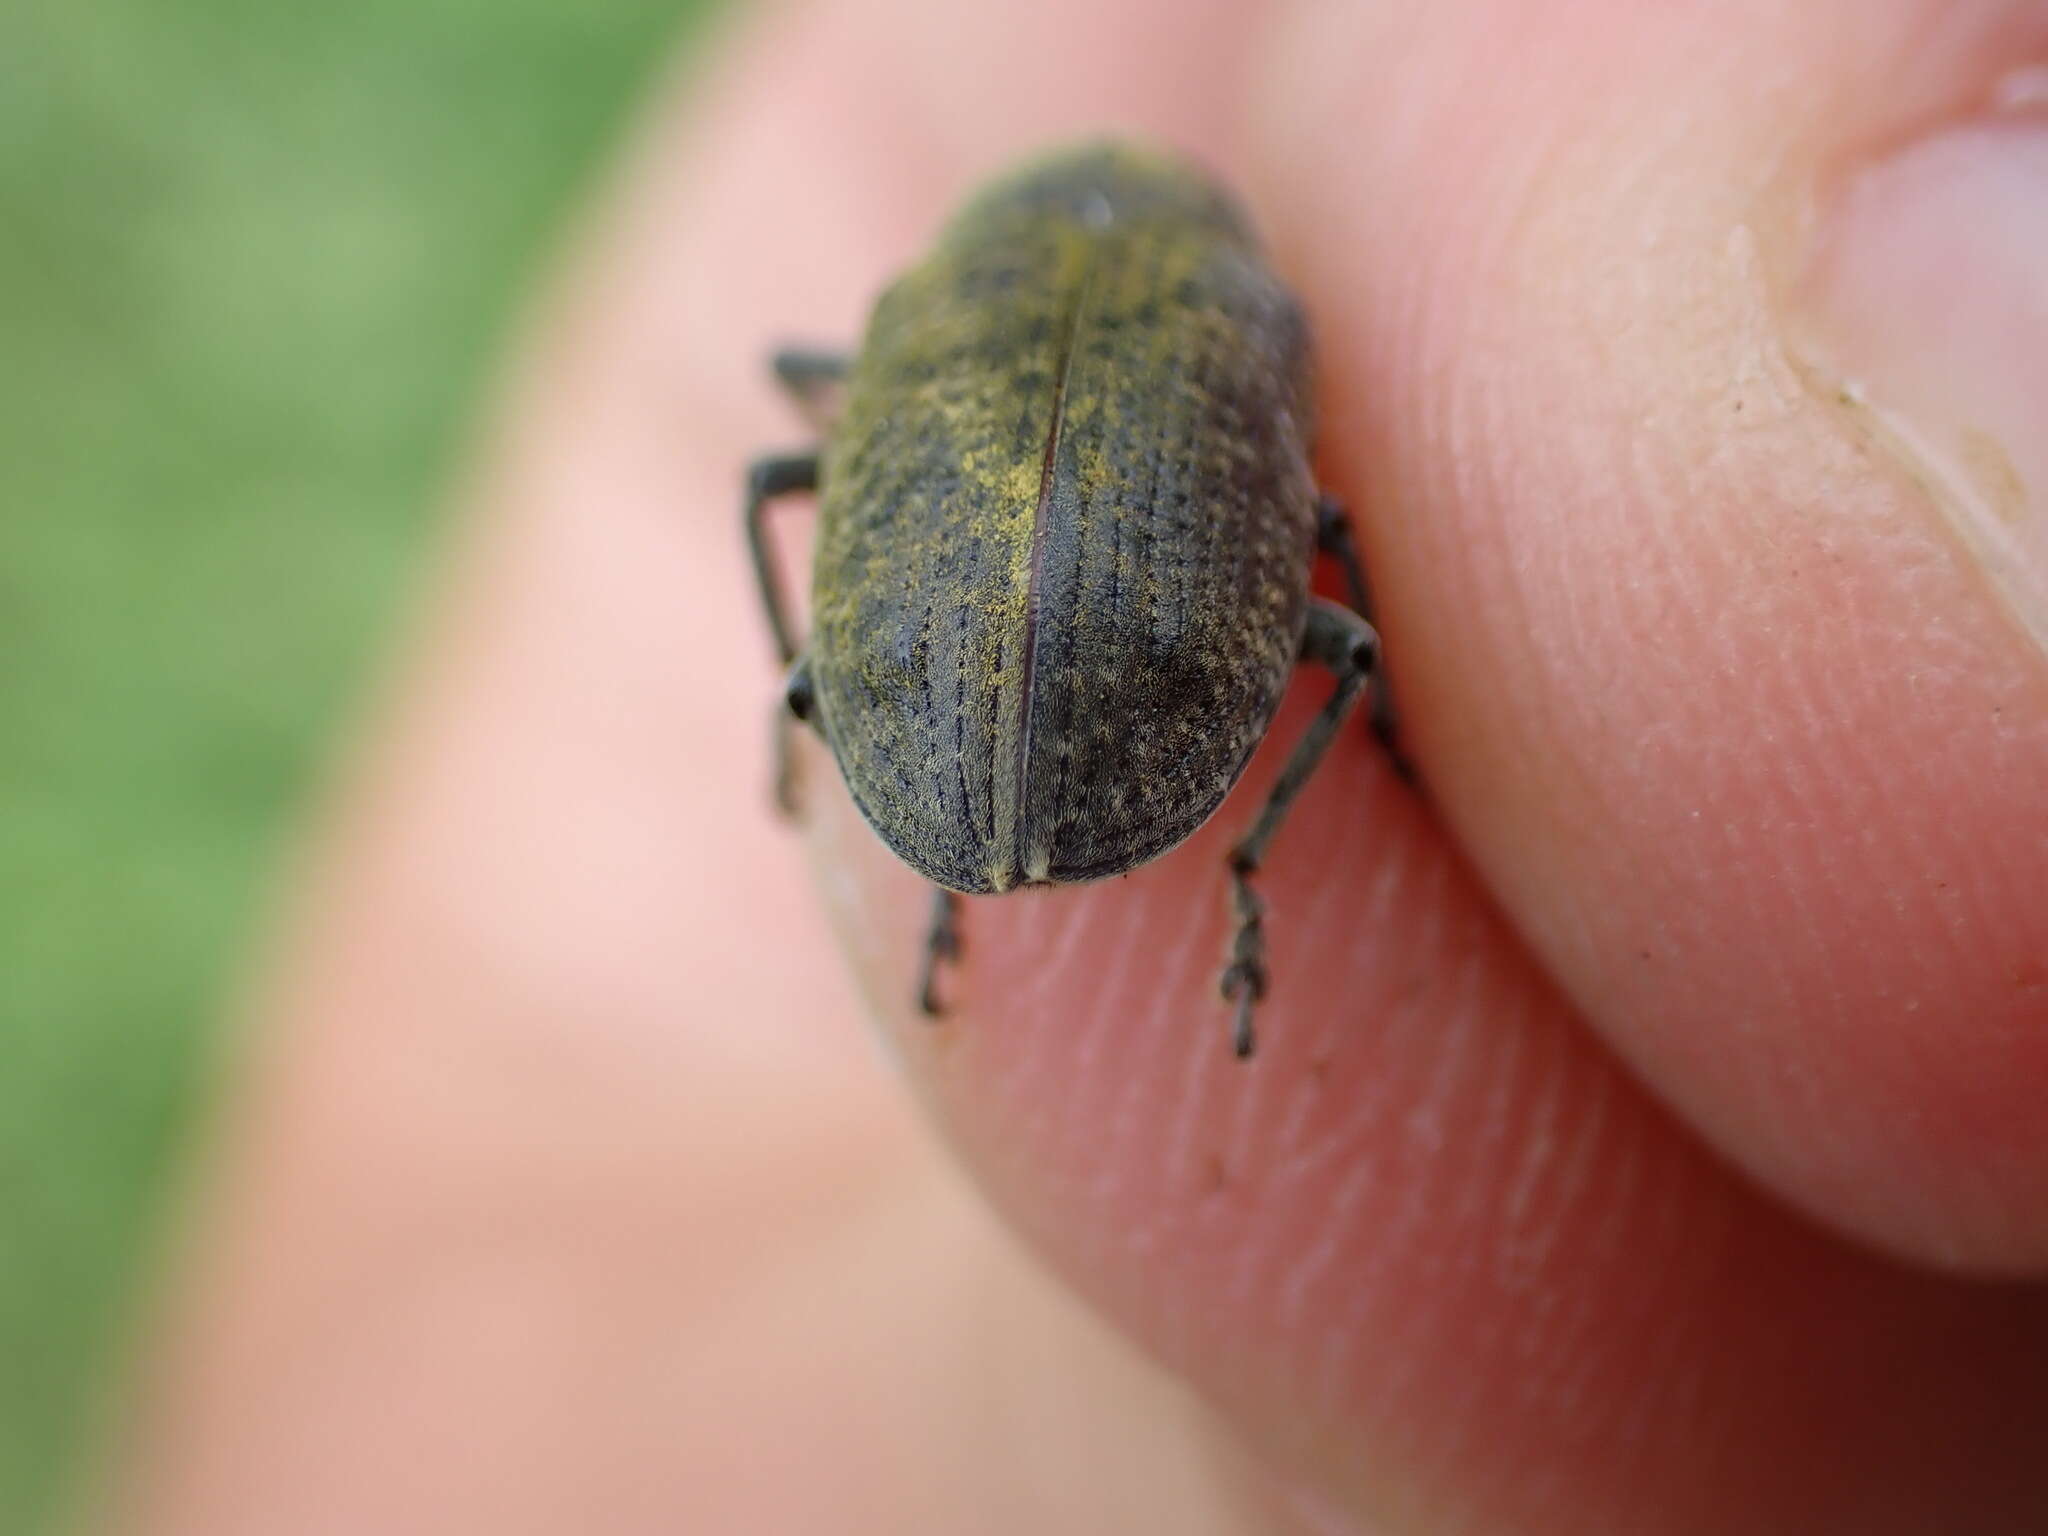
(1066, 529)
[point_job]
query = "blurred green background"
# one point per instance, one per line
(256, 263)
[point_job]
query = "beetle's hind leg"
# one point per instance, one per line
(941, 947)
(1333, 538)
(1349, 647)
(816, 380)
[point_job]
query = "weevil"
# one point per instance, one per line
(1066, 528)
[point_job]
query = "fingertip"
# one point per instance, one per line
(1693, 664)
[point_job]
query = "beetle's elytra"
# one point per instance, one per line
(1066, 530)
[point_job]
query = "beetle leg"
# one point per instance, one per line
(796, 704)
(773, 475)
(1349, 647)
(941, 945)
(1244, 979)
(815, 380)
(1333, 538)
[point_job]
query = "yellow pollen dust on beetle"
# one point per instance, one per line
(1066, 527)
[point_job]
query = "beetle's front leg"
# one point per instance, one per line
(941, 945)
(1349, 647)
(769, 477)
(1333, 538)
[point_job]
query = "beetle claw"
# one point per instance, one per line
(1244, 982)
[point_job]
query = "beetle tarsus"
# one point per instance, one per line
(942, 946)
(1343, 642)
(1244, 979)
(1334, 538)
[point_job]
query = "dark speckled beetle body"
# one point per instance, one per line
(1066, 530)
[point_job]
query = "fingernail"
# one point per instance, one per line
(1926, 306)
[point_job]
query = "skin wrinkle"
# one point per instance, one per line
(1290, 1160)
(1197, 1074)
(1520, 1234)
(1123, 1116)
(1895, 797)
(1307, 1264)
(1846, 883)
(1449, 1461)
(1462, 1053)
(1890, 790)
(1254, 1269)
(1598, 1342)
(1140, 1095)
(1479, 1348)
(1678, 1364)
(1129, 970)
(1558, 1386)
(1565, 1388)
(1329, 1346)
(1473, 1271)
(1716, 1451)
(1683, 1370)
(1299, 1161)
(1180, 1166)
(1390, 1236)
(1506, 1120)
(1676, 1371)
(1194, 947)
(1293, 1160)
(1243, 1152)
(1443, 881)
(1303, 1157)
(1247, 1283)
(1379, 1092)
(1559, 1311)
(1380, 1402)
(1375, 1302)
(1055, 930)
(1590, 1164)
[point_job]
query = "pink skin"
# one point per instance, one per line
(561, 1192)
